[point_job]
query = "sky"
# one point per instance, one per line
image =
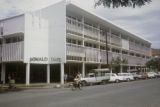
(144, 21)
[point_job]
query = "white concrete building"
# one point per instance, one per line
(42, 45)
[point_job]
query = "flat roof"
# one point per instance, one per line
(74, 8)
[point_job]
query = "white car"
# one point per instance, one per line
(113, 77)
(137, 76)
(151, 74)
(126, 76)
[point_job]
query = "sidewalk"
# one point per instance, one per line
(38, 85)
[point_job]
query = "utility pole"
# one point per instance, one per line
(107, 49)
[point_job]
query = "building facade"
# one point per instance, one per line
(155, 52)
(42, 45)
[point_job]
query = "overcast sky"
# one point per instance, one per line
(144, 21)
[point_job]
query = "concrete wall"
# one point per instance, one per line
(45, 38)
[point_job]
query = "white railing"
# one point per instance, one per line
(103, 38)
(74, 25)
(13, 51)
(77, 26)
(75, 50)
(139, 48)
(133, 60)
(91, 31)
(103, 58)
(115, 40)
(91, 54)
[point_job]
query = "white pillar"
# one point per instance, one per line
(27, 73)
(3, 73)
(48, 73)
(83, 69)
(62, 73)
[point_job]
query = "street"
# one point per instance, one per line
(143, 93)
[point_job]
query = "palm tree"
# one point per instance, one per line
(121, 3)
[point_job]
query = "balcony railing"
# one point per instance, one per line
(74, 25)
(103, 38)
(75, 50)
(103, 57)
(91, 32)
(91, 54)
(133, 60)
(13, 51)
(115, 40)
(139, 48)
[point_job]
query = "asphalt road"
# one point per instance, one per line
(143, 93)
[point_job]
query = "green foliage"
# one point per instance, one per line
(121, 3)
(154, 63)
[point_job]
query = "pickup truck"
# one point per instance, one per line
(98, 76)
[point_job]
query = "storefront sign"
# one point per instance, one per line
(44, 59)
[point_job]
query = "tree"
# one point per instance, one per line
(154, 63)
(121, 3)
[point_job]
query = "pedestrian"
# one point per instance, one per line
(65, 77)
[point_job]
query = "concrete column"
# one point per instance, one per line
(62, 73)
(121, 68)
(83, 69)
(129, 68)
(3, 73)
(48, 73)
(27, 73)
(99, 66)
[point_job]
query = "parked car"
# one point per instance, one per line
(158, 74)
(113, 77)
(126, 76)
(96, 76)
(144, 75)
(137, 76)
(151, 74)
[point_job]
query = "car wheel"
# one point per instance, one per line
(128, 79)
(117, 81)
(84, 83)
(103, 82)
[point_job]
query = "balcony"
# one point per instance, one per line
(75, 50)
(92, 54)
(133, 60)
(103, 58)
(13, 51)
(115, 40)
(91, 32)
(103, 38)
(77, 27)
(74, 26)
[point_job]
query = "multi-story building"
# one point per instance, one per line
(42, 45)
(155, 52)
